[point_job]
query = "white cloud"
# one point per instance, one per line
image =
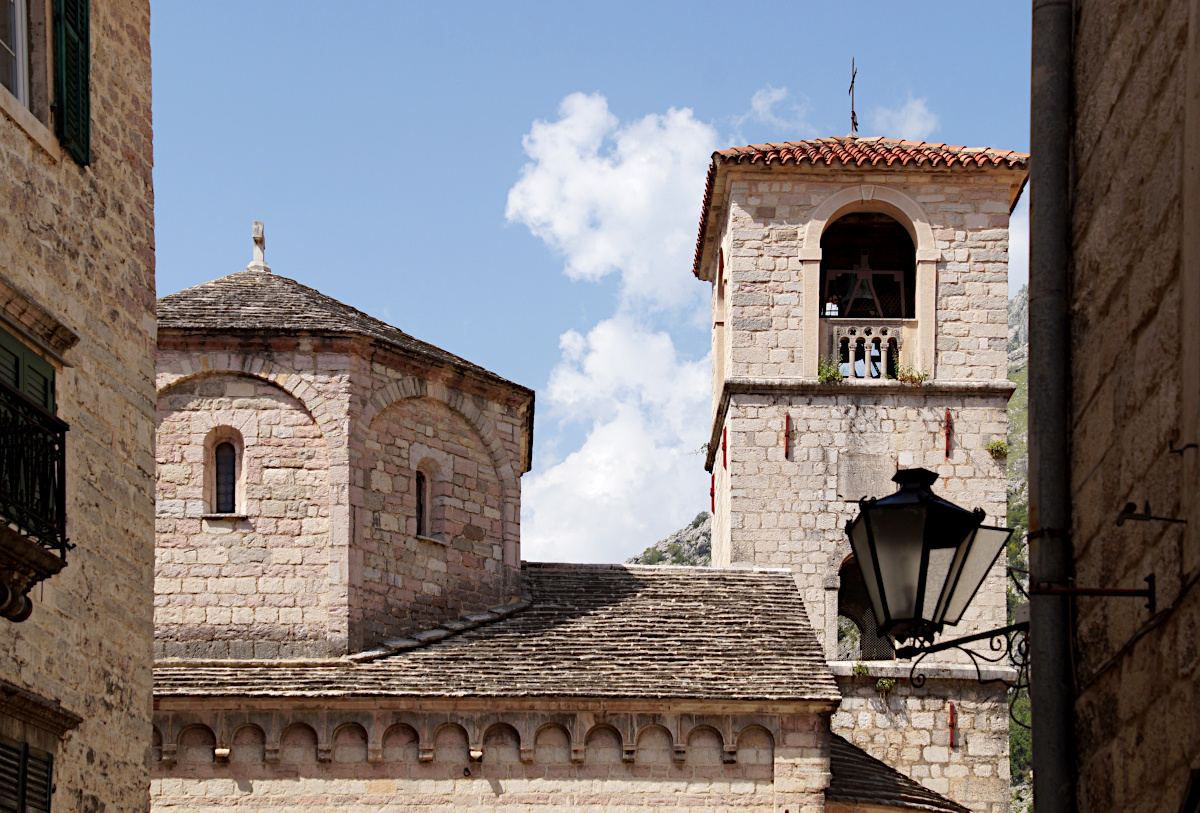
(1018, 246)
(764, 109)
(635, 478)
(913, 120)
(617, 198)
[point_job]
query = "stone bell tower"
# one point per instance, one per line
(859, 311)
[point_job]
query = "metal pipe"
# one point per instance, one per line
(1052, 688)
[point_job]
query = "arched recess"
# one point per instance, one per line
(333, 432)
(909, 214)
(411, 387)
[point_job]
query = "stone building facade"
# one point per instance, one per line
(77, 305)
(1134, 421)
(859, 326)
(331, 415)
(343, 619)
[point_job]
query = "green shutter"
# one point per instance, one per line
(26, 778)
(72, 102)
(28, 372)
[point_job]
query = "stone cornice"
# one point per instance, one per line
(22, 314)
(863, 389)
(36, 711)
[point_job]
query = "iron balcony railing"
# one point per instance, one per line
(33, 470)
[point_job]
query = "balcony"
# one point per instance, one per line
(33, 517)
(869, 348)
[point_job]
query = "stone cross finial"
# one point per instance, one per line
(259, 263)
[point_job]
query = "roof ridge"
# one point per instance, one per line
(442, 631)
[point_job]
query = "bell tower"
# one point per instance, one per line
(860, 293)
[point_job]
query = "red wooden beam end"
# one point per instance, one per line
(949, 431)
(724, 446)
(712, 494)
(787, 434)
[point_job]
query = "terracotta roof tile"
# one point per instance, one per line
(601, 631)
(874, 152)
(859, 778)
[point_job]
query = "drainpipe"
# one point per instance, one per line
(1052, 696)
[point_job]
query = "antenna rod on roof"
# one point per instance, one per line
(259, 263)
(853, 116)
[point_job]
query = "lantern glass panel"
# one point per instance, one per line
(940, 562)
(979, 555)
(899, 549)
(866, 561)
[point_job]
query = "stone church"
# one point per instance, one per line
(343, 619)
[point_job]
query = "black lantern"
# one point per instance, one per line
(922, 557)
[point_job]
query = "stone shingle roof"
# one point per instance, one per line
(859, 778)
(600, 631)
(254, 301)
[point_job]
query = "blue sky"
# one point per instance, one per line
(521, 184)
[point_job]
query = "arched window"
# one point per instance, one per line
(868, 268)
(225, 458)
(422, 504)
(858, 633)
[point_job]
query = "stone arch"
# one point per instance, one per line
(298, 744)
(248, 744)
(705, 746)
(450, 744)
(206, 364)
(552, 745)
(350, 743)
(502, 745)
(400, 744)
(870, 198)
(197, 744)
(655, 746)
(458, 402)
(602, 745)
(755, 746)
(411, 387)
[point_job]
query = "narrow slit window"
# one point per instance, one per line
(226, 460)
(422, 505)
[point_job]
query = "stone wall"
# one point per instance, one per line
(411, 582)
(79, 243)
(251, 585)
(789, 507)
(431, 755)
(1134, 375)
(323, 557)
(769, 310)
(909, 729)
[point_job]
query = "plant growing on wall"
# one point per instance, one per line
(829, 370)
(910, 375)
(884, 686)
(997, 448)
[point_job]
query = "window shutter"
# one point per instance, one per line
(73, 117)
(28, 372)
(26, 778)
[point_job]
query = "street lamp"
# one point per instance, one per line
(922, 557)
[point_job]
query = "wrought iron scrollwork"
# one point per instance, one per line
(1008, 645)
(33, 470)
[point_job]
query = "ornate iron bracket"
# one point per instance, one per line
(1009, 644)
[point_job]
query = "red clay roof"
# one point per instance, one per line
(873, 151)
(878, 152)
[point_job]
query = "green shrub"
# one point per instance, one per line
(997, 448)
(829, 370)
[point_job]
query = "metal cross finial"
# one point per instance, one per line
(259, 263)
(853, 116)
